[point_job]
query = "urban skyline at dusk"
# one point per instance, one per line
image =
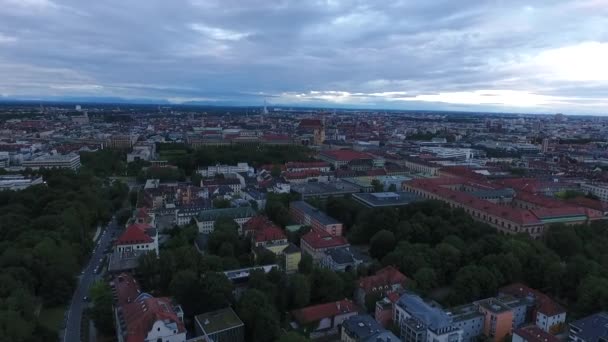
(514, 56)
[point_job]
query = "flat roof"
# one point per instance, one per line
(219, 320)
(386, 199)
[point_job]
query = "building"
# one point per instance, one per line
(468, 318)
(205, 220)
(18, 182)
(449, 152)
(324, 190)
(317, 241)
(142, 317)
(306, 214)
(290, 258)
(222, 325)
(363, 328)
(533, 333)
(385, 281)
(213, 170)
(385, 199)
(122, 141)
(344, 259)
(138, 237)
(523, 213)
(384, 309)
(421, 321)
(498, 319)
(307, 166)
(57, 161)
(544, 311)
(596, 189)
(323, 319)
(344, 158)
(142, 151)
(590, 329)
(420, 166)
(240, 277)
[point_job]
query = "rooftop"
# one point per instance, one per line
(316, 313)
(533, 333)
(386, 199)
(591, 328)
(218, 320)
(313, 212)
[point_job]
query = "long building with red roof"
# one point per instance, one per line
(324, 319)
(137, 237)
(495, 205)
(317, 241)
(141, 317)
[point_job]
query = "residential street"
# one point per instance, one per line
(72, 332)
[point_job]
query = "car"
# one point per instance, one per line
(100, 259)
(85, 298)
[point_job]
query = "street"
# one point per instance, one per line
(74, 314)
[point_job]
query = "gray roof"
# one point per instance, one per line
(233, 213)
(430, 314)
(219, 320)
(314, 212)
(347, 255)
(592, 328)
(386, 199)
(360, 327)
(385, 336)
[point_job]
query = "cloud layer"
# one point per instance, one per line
(538, 55)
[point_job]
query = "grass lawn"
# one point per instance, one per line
(52, 317)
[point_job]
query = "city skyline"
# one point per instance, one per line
(515, 56)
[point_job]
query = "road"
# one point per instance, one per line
(88, 277)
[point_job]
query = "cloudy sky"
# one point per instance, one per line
(511, 55)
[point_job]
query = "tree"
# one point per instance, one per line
(185, 287)
(382, 243)
(196, 179)
(306, 264)
(392, 187)
(260, 317)
(426, 280)
(326, 286)
(564, 239)
(101, 312)
(275, 171)
(377, 185)
(299, 291)
(220, 203)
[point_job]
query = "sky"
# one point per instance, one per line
(525, 56)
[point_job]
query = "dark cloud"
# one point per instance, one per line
(371, 53)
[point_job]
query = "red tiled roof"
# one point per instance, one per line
(301, 174)
(316, 313)
(589, 203)
(544, 304)
(135, 234)
(304, 165)
(346, 155)
(541, 200)
(318, 238)
(142, 213)
(533, 333)
(386, 276)
(141, 316)
(270, 233)
(519, 216)
(257, 223)
(127, 288)
(376, 172)
(393, 296)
